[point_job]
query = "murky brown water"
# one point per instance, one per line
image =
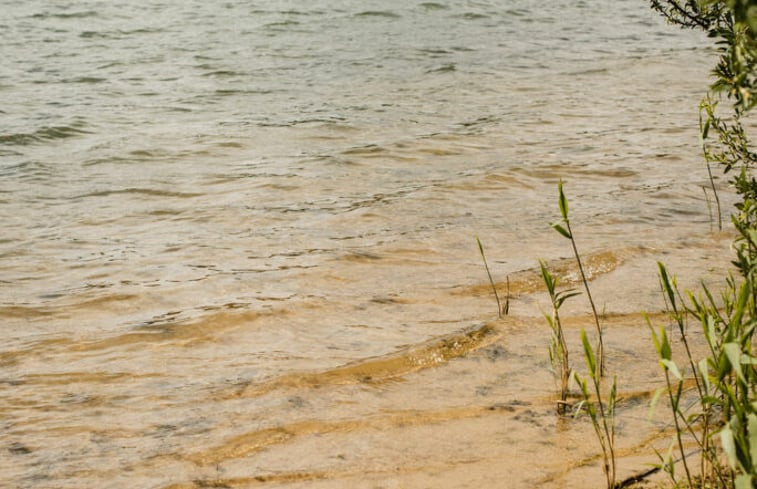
(239, 240)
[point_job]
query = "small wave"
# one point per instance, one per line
(480, 121)
(25, 312)
(549, 172)
(226, 92)
(385, 368)
(141, 191)
(434, 52)
(120, 34)
(219, 73)
(168, 330)
(85, 79)
(517, 12)
(433, 6)
(97, 377)
(96, 35)
(379, 13)
(367, 150)
(280, 24)
(229, 144)
(361, 257)
(107, 160)
(252, 442)
(144, 30)
(41, 135)
(472, 16)
(286, 12)
(443, 69)
(530, 280)
(65, 15)
(27, 169)
(318, 120)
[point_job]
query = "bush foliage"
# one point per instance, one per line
(724, 421)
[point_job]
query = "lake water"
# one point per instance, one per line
(239, 244)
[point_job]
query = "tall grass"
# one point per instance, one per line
(722, 422)
(563, 227)
(601, 412)
(558, 348)
(718, 415)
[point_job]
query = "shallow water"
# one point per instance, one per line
(239, 239)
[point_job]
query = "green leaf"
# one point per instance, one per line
(550, 321)
(563, 202)
(549, 281)
(740, 309)
(653, 403)
(709, 331)
(705, 372)
(613, 395)
(748, 359)
(729, 445)
(589, 354)
(655, 339)
(733, 352)
(672, 368)
(577, 409)
(743, 481)
(666, 283)
(752, 429)
(662, 344)
(582, 384)
(667, 461)
(565, 295)
(561, 230)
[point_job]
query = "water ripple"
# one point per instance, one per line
(43, 135)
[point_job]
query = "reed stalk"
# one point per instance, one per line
(500, 309)
(567, 232)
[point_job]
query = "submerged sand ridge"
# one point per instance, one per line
(467, 409)
(500, 424)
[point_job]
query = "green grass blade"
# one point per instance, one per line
(733, 352)
(665, 280)
(491, 280)
(653, 403)
(563, 202)
(589, 354)
(672, 368)
(729, 445)
(557, 227)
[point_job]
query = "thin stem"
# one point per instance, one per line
(565, 369)
(607, 445)
(600, 344)
(674, 405)
(717, 198)
(680, 318)
(491, 280)
(506, 309)
(709, 204)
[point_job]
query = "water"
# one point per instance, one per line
(239, 238)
